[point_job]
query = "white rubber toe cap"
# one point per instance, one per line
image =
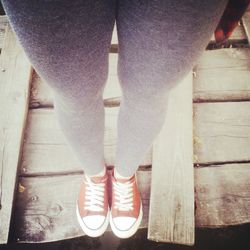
(124, 223)
(93, 222)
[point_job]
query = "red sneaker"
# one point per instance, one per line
(92, 205)
(126, 208)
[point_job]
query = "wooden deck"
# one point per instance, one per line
(48, 174)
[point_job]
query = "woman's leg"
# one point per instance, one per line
(68, 43)
(159, 41)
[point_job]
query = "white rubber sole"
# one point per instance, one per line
(90, 232)
(126, 233)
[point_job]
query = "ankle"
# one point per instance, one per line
(100, 174)
(119, 176)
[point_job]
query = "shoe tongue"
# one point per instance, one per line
(123, 180)
(97, 179)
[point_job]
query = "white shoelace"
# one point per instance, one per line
(123, 196)
(94, 196)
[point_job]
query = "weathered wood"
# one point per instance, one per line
(171, 215)
(224, 58)
(3, 21)
(222, 132)
(45, 209)
(222, 195)
(46, 205)
(3, 24)
(246, 24)
(220, 75)
(114, 39)
(45, 142)
(14, 95)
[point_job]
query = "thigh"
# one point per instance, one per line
(65, 40)
(159, 40)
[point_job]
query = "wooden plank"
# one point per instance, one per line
(45, 209)
(3, 24)
(171, 216)
(246, 24)
(223, 59)
(238, 34)
(114, 39)
(14, 91)
(222, 195)
(220, 75)
(3, 21)
(45, 142)
(222, 132)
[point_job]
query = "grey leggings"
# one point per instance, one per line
(68, 43)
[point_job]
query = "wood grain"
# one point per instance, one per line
(246, 23)
(45, 209)
(222, 132)
(3, 24)
(3, 21)
(14, 90)
(171, 215)
(222, 195)
(222, 75)
(46, 149)
(46, 202)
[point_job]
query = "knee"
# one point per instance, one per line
(144, 88)
(85, 82)
(152, 84)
